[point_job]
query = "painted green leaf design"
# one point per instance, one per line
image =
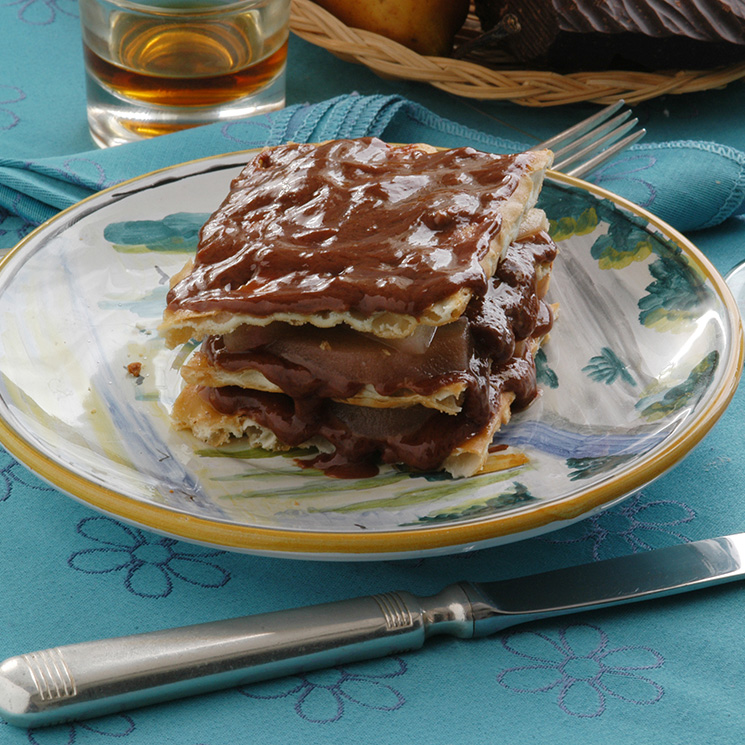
(567, 226)
(585, 468)
(690, 390)
(395, 501)
(253, 453)
(176, 232)
(545, 375)
(607, 368)
(316, 484)
(567, 212)
(518, 494)
(426, 475)
(570, 213)
(623, 244)
(674, 294)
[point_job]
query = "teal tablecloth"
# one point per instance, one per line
(663, 672)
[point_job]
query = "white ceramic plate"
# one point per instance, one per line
(645, 356)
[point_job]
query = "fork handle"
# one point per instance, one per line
(101, 677)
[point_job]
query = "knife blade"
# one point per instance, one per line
(94, 678)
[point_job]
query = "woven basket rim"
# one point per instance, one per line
(468, 78)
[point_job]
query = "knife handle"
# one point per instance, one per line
(94, 678)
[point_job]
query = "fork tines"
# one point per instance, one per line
(593, 140)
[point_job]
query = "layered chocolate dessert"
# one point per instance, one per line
(379, 303)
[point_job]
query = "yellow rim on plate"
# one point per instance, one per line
(400, 541)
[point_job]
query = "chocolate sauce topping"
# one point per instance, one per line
(418, 437)
(339, 362)
(510, 309)
(350, 225)
(483, 349)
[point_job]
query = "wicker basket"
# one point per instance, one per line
(501, 79)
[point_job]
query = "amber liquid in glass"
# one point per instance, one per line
(184, 66)
(175, 67)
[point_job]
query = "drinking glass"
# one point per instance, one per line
(157, 66)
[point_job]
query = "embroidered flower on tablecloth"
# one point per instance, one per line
(43, 12)
(9, 94)
(80, 172)
(13, 475)
(635, 525)
(627, 169)
(118, 725)
(579, 668)
(149, 563)
(321, 697)
(87, 173)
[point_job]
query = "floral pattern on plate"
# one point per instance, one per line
(643, 359)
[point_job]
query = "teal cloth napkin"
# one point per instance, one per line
(690, 184)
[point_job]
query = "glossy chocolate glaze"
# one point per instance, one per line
(508, 312)
(350, 225)
(339, 362)
(498, 361)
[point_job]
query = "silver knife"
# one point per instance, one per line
(94, 678)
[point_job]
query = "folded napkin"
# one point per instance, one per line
(691, 185)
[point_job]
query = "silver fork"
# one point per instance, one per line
(593, 140)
